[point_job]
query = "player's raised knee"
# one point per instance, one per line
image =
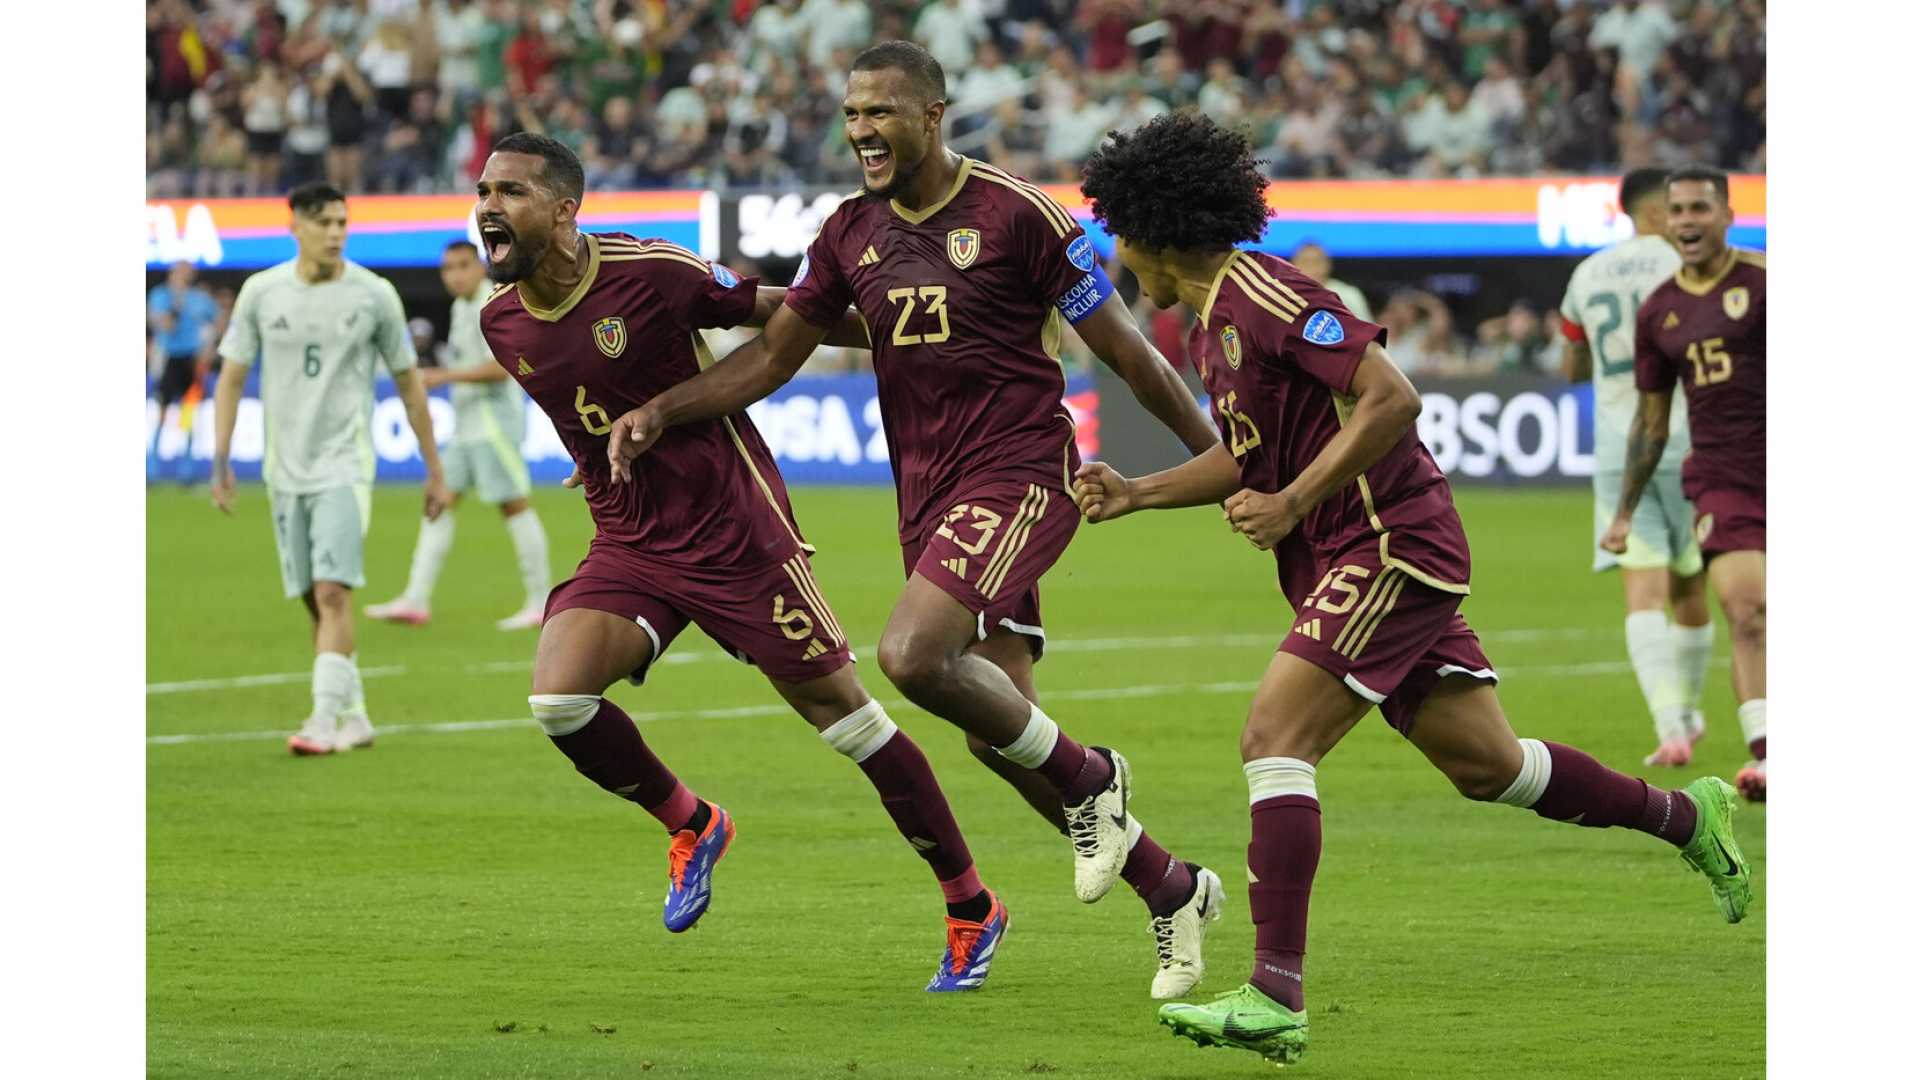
(915, 666)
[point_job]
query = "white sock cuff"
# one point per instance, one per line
(1036, 742)
(1536, 771)
(564, 714)
(340, 665)
(1751, 719)
(1270, 777)
(861, 733)
(1645, 620)
(1694, 635)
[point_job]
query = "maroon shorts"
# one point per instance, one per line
(1727, 519)
(773, 616)
(1385, 634)
(991, 546)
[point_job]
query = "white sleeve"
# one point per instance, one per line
(241, 344)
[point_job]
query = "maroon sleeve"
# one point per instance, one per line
(715, 297)
(1652, 369)
(820, 292)
(1326, 340)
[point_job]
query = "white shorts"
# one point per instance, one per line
(1662, 534)
(496, 470)
(321, 536)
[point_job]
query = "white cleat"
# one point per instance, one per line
(400, 610)
(1098, 830)
(1178, 937)
(354, 731)
(317, 737)
(528, 619)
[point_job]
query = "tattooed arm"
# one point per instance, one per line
(1651, 426)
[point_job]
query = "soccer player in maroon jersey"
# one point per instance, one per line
(1319, 461)
(965, 275)
(700, 531)
(1705, 328)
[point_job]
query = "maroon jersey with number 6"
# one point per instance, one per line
(965, 301)
(1710, 336)
(1277, 353)
(708, 493)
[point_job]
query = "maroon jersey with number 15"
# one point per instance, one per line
(1277, 353)
(1710, 336)
(708, 493)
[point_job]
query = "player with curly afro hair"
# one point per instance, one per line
(1179, 181)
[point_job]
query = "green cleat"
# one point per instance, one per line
(1246, 1019)
(1714, 851)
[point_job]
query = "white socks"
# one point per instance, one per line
(861, 733)
(1691, 655)
(434, 543)
(335, 684)
(1269, 777)
(1751, 719)
(1536, 771)
(1036, 742)
(1649, 646)
(564, 714)
(534, 555)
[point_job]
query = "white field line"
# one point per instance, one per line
(1097, 693)
(694, 656)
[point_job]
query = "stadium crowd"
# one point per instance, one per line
(252, 96)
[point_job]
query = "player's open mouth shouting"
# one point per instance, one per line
(876, 160)
(497, 237)
(1690, 241)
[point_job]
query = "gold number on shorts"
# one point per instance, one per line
(794, 623)
(985, 521)
(1336, 581)
(1242, 434)
(1711, 364)
(935, 300)
(596, 420)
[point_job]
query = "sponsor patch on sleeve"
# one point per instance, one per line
(1081, 253)
(802, 271)
(725, 276)
(1323, 329)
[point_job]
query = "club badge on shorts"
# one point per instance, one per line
(1702, 529)
(610, 336)
(1231, 345)
(964, 246)
(1738, 300)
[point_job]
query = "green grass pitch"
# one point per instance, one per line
(459, 903)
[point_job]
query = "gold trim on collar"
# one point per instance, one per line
(917, 217)
(1700, 288)
(577, 294)
(1214, 287)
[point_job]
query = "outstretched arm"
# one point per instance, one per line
(1651, 427)
(749, 374)
(850, 332)
(1111, 332)
(1104, 494)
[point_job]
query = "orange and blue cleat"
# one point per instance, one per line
(692, 858)
(965, 964)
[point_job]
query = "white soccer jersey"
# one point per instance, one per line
(1603, 300)
(315, 342)
(489, 412)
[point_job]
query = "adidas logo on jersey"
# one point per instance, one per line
(280, 324)
(816, 649)
(1671, 320)
(959, 567)
(870, 258)
(1310, 628)
(524, 367)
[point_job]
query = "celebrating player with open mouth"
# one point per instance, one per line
(702, 531)
(965, 274)
(1320, 462)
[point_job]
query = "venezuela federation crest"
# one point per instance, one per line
(964, 246)
(1738, 300)
(610, 335)
(1231, 345)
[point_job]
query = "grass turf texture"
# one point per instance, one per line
(462, 904)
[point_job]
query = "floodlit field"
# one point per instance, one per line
(457, 902)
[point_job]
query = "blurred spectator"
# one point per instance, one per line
(990, 81)
(1313, 260)
(832, 26)
(1514, 343)
(265, 124)
(386, 63)
(1420, 335)
(949, 30)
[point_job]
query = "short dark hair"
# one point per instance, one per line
(563, 173)
(1178, 181)
(917, 65)
(466, 245)
(1708, 173)
(1640, 183)
(308, 199)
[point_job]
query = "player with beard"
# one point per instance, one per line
(592, 326)
(965, 275)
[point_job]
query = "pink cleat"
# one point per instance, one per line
(319, 736)
(1673, 754)
(400, 610)
(1751, 781)
(529, 618)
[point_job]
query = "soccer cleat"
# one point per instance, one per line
(400, 610)
(1751, 781)
(1098, 830)
(529, 618)
(1245, 1019)
(1714, 851)
(965, 963)
(1672, 753)
(692, 858)
(354, 731)
(317, 737)
(1178, 937)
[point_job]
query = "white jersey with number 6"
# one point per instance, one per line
(316, 342)
(1603, 299)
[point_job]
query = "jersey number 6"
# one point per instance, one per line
(596, 420)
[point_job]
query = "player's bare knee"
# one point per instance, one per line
(915, 666)
(1481, 779)
(1265, 735)
(331, 599)
(1746, 616)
